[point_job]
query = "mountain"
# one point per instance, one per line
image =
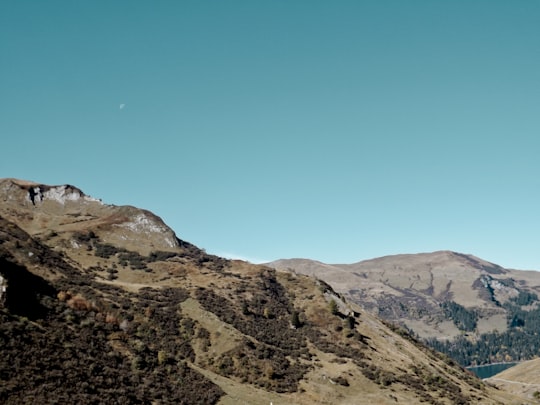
(49, 212)
(104, 304)
(443, 297)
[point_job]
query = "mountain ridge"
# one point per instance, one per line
(37, 207)
(441, 295)
(106, 318)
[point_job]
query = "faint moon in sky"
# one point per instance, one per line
(122, 106)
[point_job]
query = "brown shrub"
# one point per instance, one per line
(80, 303)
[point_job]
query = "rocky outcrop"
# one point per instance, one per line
(65, 209)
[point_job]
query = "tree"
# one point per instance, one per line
(333, 307)
(295, 320)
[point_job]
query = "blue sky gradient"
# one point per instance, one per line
(338, 131)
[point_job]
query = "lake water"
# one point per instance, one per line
(490, 370)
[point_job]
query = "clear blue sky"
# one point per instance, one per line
(333, 130)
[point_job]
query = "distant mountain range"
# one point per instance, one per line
(442, 297)
(105, 304)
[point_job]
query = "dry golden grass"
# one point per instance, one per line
(366, 363)
(523, 379)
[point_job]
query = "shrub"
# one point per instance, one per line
(333, 307)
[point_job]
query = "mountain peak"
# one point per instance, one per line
(36, 193)
(437, 259)
(66, 210)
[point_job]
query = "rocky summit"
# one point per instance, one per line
(105, 304)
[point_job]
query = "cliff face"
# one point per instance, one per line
(91, 316)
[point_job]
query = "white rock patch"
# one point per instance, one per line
(171, 242)
(3, 288)
(60, 194)
(141, 223)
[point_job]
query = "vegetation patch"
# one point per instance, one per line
(99, 344)
(465, 319)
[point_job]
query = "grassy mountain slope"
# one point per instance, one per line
(94, 310)
(522, 379)
(441, 296)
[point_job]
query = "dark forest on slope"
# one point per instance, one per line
(520, 342)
